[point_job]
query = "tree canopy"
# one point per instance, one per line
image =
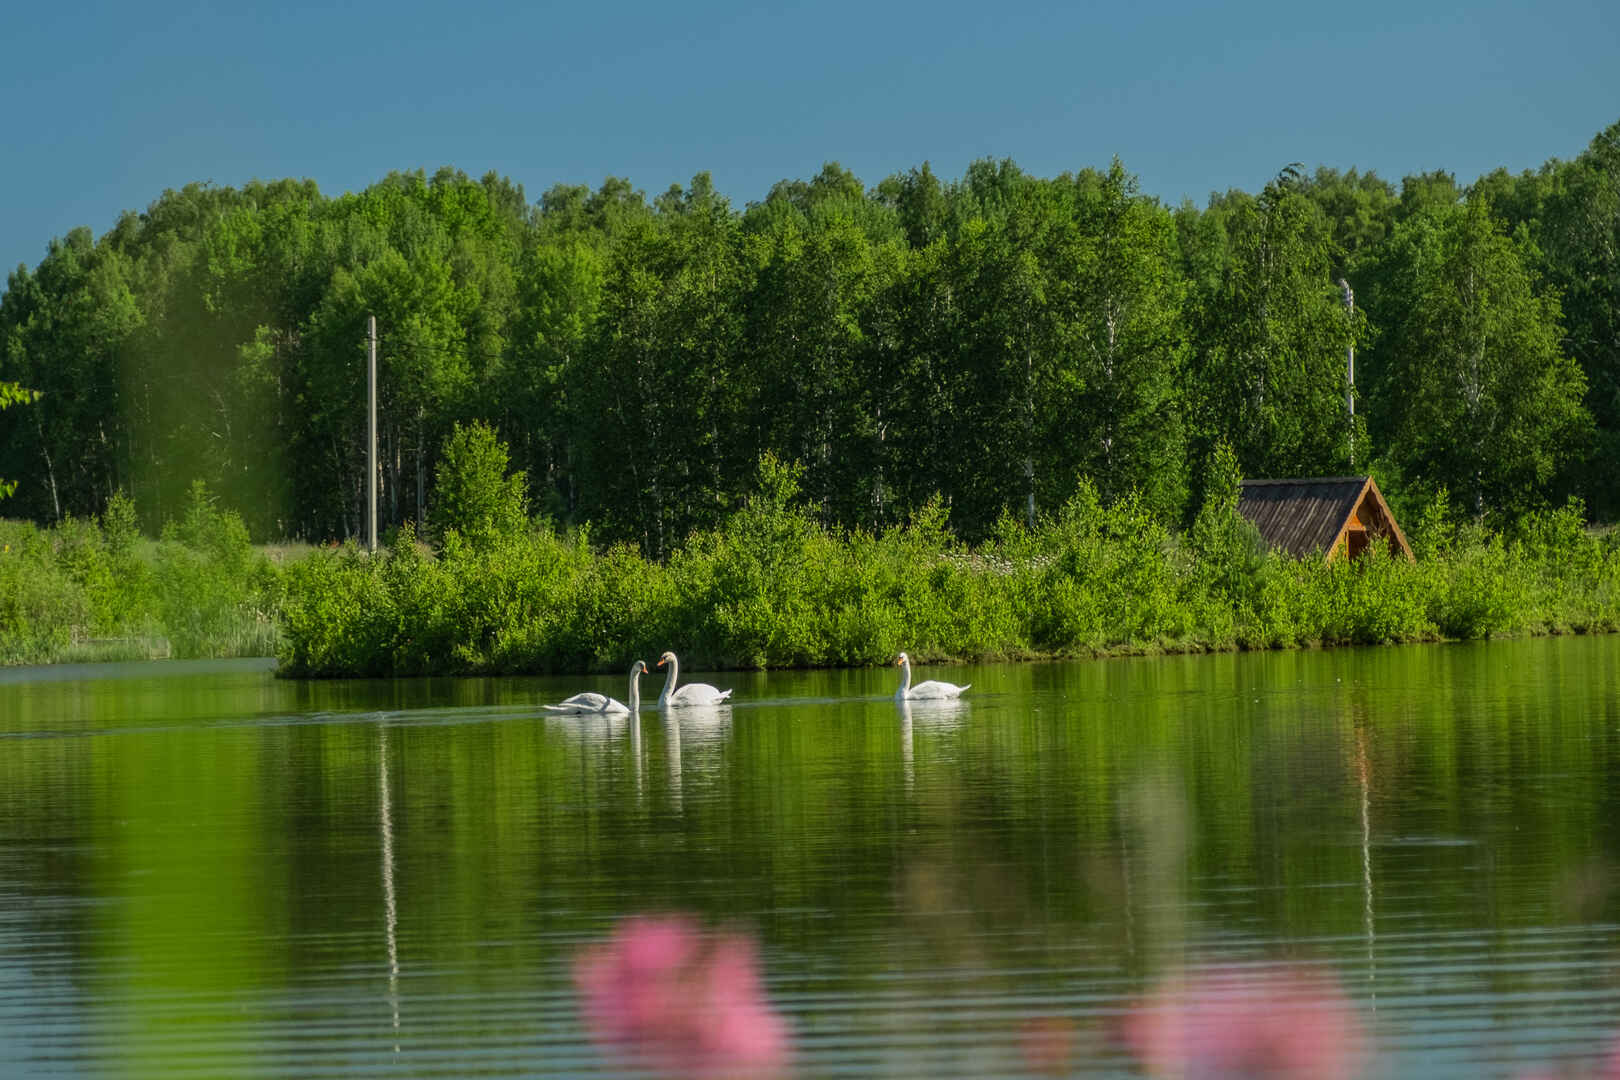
(988, 341)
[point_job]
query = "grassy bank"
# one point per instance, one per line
(771, 589)
(97, 590)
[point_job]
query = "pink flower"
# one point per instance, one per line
(679, 1001)
(1273, 1022)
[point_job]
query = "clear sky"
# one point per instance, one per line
(111, 103)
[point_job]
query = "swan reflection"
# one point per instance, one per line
(933, 712)
(635, 753)
(704, 721)
(938, 713)
(906, 768)
(589, 729)
(672, 756)
(699, 725)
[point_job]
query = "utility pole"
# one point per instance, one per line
(1350, 369)
(371, 433)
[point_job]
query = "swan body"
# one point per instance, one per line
(697, 693)
(928, 690)
(602, 704)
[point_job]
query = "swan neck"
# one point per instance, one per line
(905, 675)
(669, 680)
(635, 691)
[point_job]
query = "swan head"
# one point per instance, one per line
(667, 658)
(638, 668)
(902, 659)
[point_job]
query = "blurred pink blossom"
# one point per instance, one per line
(1272, 1022)
(680, 1001)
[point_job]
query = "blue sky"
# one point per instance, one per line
(112, 103)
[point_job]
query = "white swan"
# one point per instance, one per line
(697, 693)
(600, 703)
(923, 691)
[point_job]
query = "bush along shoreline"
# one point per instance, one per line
(770, 589)
(96, 590)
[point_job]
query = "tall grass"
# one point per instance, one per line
(770, 588)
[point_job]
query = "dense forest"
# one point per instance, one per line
(991, 339)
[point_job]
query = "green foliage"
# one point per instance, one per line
(988, 340)
(1577, 237)
(1471, 388)
(952, 416)
(12, 394)
(1126, 424)
(43, 612)
(771, 587)
(1271, 337)
(95, 589)
(214, 593)
(208, 530)
(473, 494)
(1231, 560)
(120, 526)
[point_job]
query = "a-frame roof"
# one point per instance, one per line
(1313, 514)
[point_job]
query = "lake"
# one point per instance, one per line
(209, 871)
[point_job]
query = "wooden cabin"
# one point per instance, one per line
(1331, 515)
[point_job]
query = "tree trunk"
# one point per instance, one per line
(50, 468)
(421, 480)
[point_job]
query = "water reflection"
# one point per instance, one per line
(385, 828)
(938, 713)
(709, 721)
(907, 754)
(635, 753)
(189, 864)
(935, 715)
(672, 757)
(1363, 786)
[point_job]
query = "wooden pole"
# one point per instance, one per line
(371, 433)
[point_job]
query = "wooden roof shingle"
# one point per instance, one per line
(1312, 514)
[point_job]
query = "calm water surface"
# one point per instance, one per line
(207, 871)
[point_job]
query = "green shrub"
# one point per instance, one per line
(96, 590)
(472, 493)
(770, 588)
(215, 595)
